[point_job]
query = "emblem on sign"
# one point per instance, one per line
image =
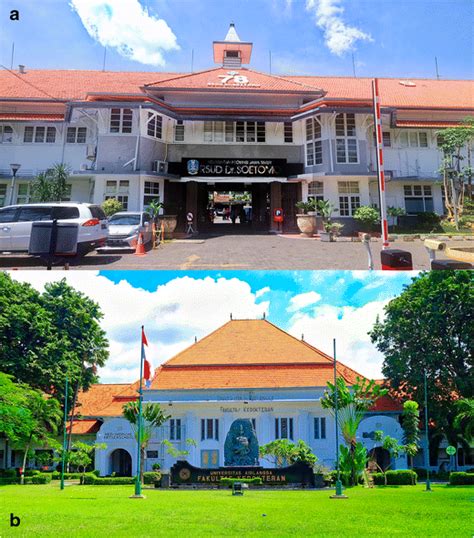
(185, 474)
(233, 76)
(193, 167)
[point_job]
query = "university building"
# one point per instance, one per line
(182, 138)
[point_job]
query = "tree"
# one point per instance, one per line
(353, 402)
(429, 327)
(46, 336)
(111, 206)
(452, 142)
(152, 417)
(46, 418)
(52, 186)
(283, 451)
(16, 420)
(410, 425)
(464, 418)
(81, 455)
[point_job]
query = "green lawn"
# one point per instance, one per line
(106, 511)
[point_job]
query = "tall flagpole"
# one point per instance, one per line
(379, 159)
(138, 484)
(63, 459)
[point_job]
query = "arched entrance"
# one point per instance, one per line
(121, 462)
(381, 456)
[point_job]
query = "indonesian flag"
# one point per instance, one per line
(147, 367)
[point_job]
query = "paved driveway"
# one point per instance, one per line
(261, 252)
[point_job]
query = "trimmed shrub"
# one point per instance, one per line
(8, 473)
(96, 472)
(345, 478)
(229, 482)
(41, 479)
(6, 481)
(92, 480)
(461, 479)
(67, 476)
(32, 472)
(396, 478)
(151, 477)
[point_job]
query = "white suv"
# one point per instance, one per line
(16, 223)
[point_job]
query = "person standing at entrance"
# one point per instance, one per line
(233, 214)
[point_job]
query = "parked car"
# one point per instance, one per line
(16, 222)
(124, 228)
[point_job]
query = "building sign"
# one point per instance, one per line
(183, 472)
(118, 436)
(235, 168)
(233, 79)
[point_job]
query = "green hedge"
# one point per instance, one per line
(38, 479)
(8, 473)
(6, 481)
(67, 476)
(345, 478)
(32, 472)
(151, 477)
(257, 481)
(91, 480)
(396, 478)
(461, 479)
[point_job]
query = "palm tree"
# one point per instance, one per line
(42, 188)
(152, 417)
(464, 420)
(46, 413)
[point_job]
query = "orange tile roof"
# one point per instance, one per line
(248, 341)
(427, 124)
(81, 427)
(76, 85)
(103, 399)
(31, 117)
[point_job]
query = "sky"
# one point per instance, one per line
(395, 38)
(176, 307)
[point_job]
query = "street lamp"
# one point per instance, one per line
(15, 168)
(427, 442)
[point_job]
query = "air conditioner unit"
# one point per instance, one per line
(91, 152)
(84, 167)
(160, 167)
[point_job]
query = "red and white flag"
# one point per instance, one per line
(147, 366)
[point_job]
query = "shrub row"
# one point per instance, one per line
(257, 481)
(395, 478)
(8, 473)
(344, 476)
(151, 477)
(68, 476)
(91, 479)
(32, 472)
(6, 481)
(461, 479)
(38, 479)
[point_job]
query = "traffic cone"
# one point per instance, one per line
(140, 250)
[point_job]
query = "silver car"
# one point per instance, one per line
(124, 228)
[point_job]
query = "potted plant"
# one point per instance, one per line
(368, 217)
(330, 229)
(306, 219)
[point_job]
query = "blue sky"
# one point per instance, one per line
(176, 307)
(388, 38)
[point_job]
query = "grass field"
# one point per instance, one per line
(106, 511)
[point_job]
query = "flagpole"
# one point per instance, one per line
(63, 459)
(138, 484)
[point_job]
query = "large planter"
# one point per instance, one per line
(306, 224)
(169, 224)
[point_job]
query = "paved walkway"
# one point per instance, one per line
(260, 252)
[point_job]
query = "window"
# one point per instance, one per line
(7, 215)
(31, 214)
(346, 141)
(152, 454)
(209, 428)
(118, 190)
(175, 429)
(349, 197)
(316, 190)
(314, 146)
(3, 194)
(121, 120)
(320, 427)
(154, 125)
(6, 134)
(283, 428)
(234, 131)
(24, 194)
(288, 132)
(179, 131)
(418, 199)
(76, 135)
(151, 192)
(39, 135)
(413, 139)
(386, 139)
(65, 212)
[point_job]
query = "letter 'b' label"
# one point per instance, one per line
(14, 521)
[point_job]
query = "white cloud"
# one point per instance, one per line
(127, 27)
(173, 314)
(262, 291)
(349, 326)
(302, 300)
(339, 37)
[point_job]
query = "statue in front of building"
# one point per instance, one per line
(241, 445)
